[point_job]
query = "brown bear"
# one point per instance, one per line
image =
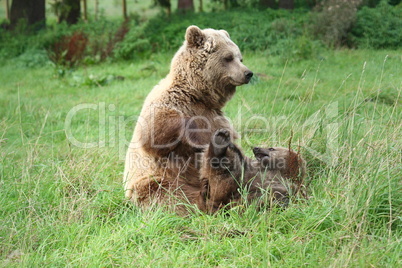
(180, 115)
(226, 172)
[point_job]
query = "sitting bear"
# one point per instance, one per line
(226, 171)
(180, 115)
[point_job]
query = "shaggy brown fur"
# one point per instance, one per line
(226, 171)
(179, 117)
(282, 163)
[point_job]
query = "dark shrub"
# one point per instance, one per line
(379, 27)
(334, 20)
(67, 45)
(69, 50)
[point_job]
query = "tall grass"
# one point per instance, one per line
(62, 205)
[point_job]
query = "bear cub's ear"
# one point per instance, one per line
(195, 36)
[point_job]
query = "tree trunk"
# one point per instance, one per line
(33, 12)
(8, 10)
(225, 4)
(267, 3)
(169, 11)
(71, 11)
(312, 3)
(84, 5)
(286, 4)
(165, 4)
(185, 5)
(201, 7)
(96, 9)
(125, 10)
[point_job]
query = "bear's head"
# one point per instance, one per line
(288, 162)
(210, 62)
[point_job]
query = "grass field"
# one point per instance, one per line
(63, 205)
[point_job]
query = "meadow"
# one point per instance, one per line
(64, 132)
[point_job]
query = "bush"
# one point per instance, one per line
(334, 20)
(250, 29)
(295, 49)
(69, 50)
(33, 58)
(379, 27)
(66, 45)
(11, 46)
(293, 34)
(135, 44)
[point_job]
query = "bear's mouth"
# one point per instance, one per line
(235, 83)
(259, 155)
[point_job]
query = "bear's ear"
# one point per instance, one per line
(195, 37)
(225, 33)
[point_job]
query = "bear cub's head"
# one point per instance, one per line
(287, 161)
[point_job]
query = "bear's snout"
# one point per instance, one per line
(256, 150)
(248, 74)
(260, 153)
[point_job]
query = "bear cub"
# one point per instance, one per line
(276, 173)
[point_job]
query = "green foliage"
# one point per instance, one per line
(379, 27)
(134, 45)
(33, 58)
(295, 35)
(94, 80)
(374, 3)
(250, 29)
(11, 46)
(102, 37)
(333, 21)
(297, 49)
(386, 95)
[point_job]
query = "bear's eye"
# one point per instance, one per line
(241, 60)
(229, 58)
(271, 149)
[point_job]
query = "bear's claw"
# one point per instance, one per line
(221, 141)
(222, 137)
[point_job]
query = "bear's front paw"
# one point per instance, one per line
(221, 141)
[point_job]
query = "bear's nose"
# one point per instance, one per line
(248, 75)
